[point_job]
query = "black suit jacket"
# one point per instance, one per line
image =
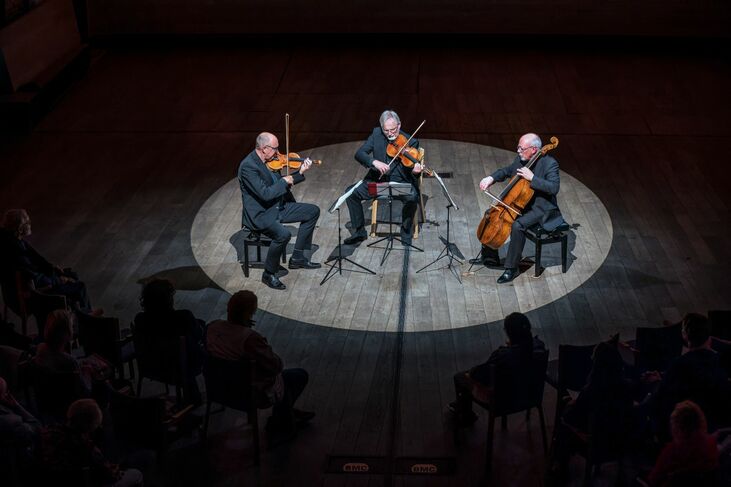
(374, 148)
(546, 183)
(18, 255)
(262, 192)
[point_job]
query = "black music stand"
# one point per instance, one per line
(337, 260)
(450, 250)
(389, 189)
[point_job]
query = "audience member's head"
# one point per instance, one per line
(84, 416)
(241, 307)
(59, 329)
(607, 364)
(158, 296)
(687, 421)
(17, 222)
(696, 330)
(517, 327)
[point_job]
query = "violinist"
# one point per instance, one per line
(543, 208)
(372, 155)
(267, 203)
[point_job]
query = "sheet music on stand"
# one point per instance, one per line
(382, 189)
(343, 197)
(444, 190)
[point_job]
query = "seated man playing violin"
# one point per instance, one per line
(545, 181)
(372, 155)
(267, 203)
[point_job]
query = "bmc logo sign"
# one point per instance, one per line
(424, 468)
(356, 467)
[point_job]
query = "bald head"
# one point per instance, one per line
(266, 139)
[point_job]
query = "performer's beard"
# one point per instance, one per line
(391, 138)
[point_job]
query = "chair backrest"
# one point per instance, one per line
(138, 421)
(724, 354)
(520, 388)
(16, 292)
(100, 335)
(574, 365)
(720, 323)
(229, 382)
(54, 391)
(161, 359)
(708, 478)
(658, 346)
(43, 304)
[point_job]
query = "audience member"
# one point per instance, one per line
(517, 354)
(70, 448)
(692, 449)
(697, 375)
(160, 320)
(19, 256)
(603, 409)
(19, 430)
(234, 339)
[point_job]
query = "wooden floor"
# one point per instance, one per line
(115, 175)
(438, 297)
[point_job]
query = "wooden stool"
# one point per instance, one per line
(258, 240)
(540, 237)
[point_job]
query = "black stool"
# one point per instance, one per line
(540, 237)
(258, 240)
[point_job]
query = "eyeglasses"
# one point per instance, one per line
(275, 149)
(391, 131)
(523, 149)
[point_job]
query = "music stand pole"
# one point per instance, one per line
(337, 261)
(447, 252)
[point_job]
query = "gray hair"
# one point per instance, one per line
(533, 140)
(389, 114)
(262, 140)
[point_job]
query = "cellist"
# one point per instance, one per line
(542, 208)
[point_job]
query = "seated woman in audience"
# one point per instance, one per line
(70, 448)
(19, 256)
(602, 408)
(53, 355)
(517, 354)
(691, 451)
(160, 320)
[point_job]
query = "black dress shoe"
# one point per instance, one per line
(487, 262)
(272, 281)
(303, 264)
(507, 276)
(356, 238)
(281, 272)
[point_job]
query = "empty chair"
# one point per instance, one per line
(569, 372)
(230, 383)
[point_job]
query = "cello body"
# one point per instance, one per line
(495, 226)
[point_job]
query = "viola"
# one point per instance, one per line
(293, 162)
(407, 155)
(494, 228)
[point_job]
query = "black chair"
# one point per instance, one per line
(230, 383)
(515, 390)
(540, 237)
(100, 335)
(252, 238)
(16, 295)
(655, 348)
(720, 323)
(162, 360)
(148, 422)
(569, 373)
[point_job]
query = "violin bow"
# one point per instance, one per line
(286, 140)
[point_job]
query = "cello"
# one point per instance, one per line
(495, 226)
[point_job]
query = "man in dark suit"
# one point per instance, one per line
(543, 208)
(372, 155)
(267, 203)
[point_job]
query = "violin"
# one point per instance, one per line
(406, 154)
(495, 226)
(291, 161)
